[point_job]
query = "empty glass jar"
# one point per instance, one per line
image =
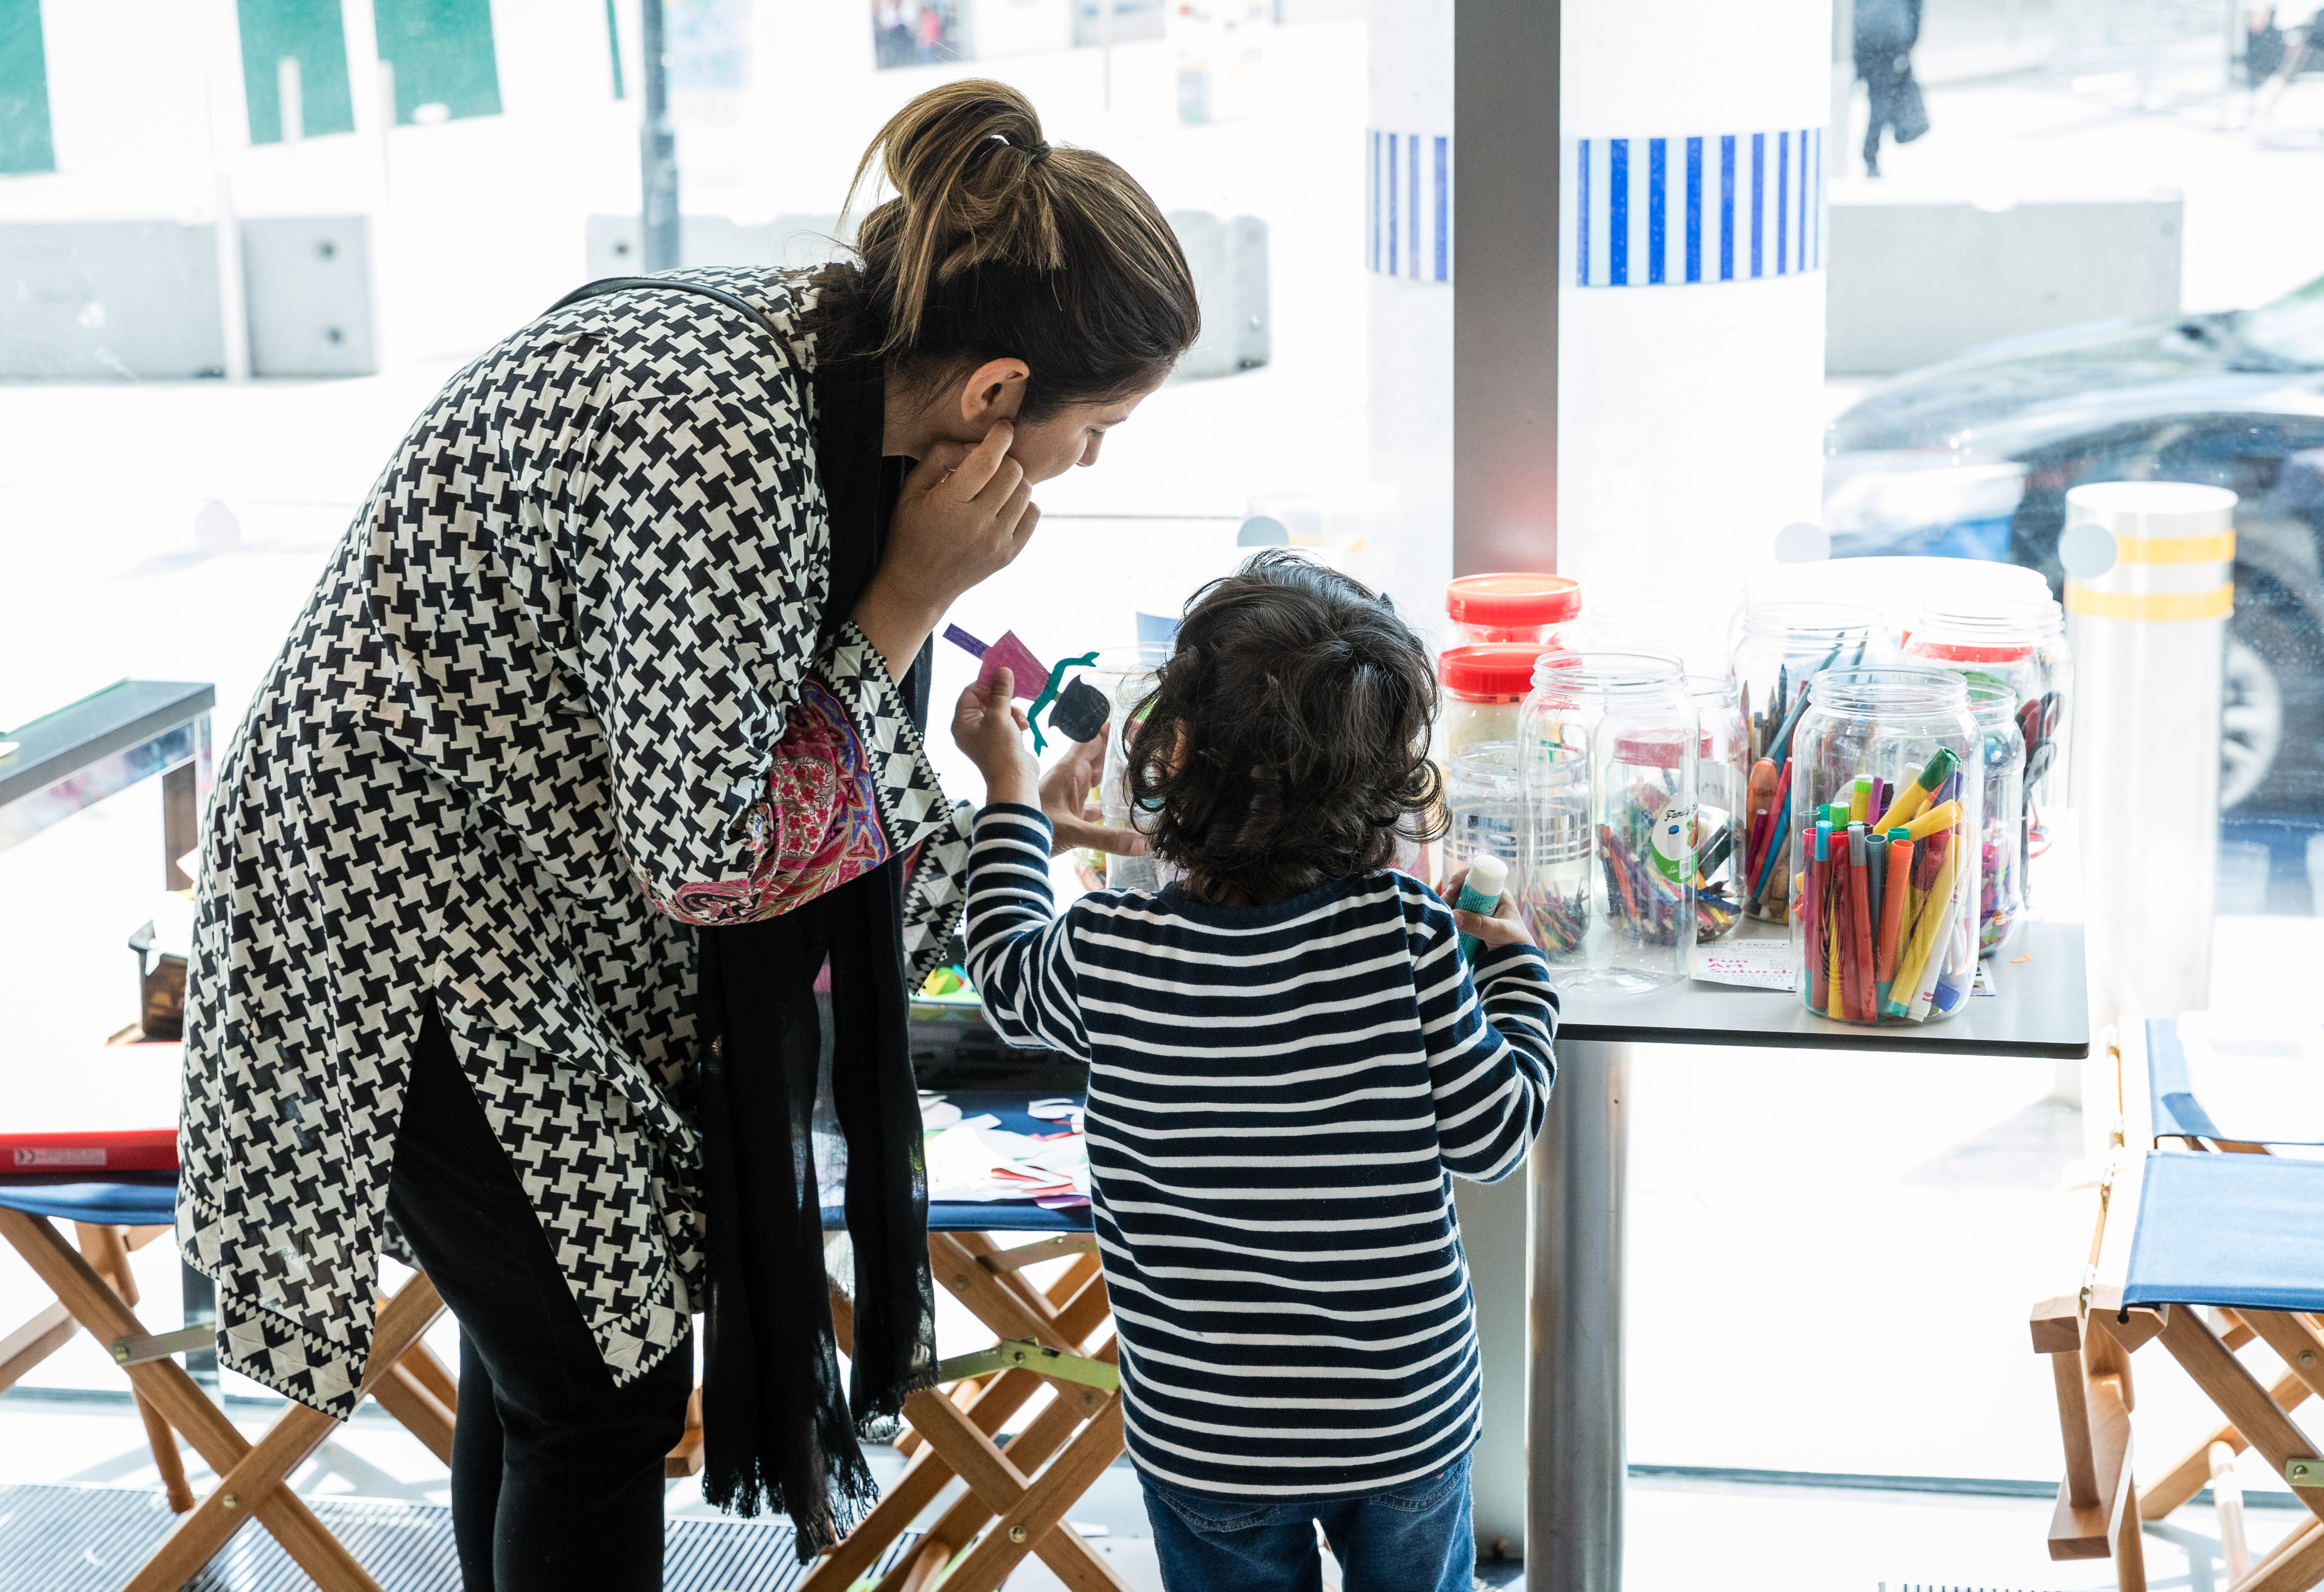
(1484, 805)
(1606, 752)
(2001, 898)
(1722, 777)
(1888, 781)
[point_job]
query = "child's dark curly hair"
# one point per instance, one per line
(1286, 741)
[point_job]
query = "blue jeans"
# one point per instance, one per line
(1415, 1538)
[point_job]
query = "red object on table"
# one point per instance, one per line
(135, 1149)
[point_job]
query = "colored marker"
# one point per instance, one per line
(1916, 796)
(1936, 820)
(1859, 908)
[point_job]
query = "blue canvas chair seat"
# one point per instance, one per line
(2201, 1252)
(96, 1293)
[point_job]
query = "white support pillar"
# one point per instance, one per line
(1408, 242)
(1691, 327)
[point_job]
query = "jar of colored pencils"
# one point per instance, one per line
(1889, 793)
(1722, 772)
(1781, 647)
(1608, 745)
(2001, 898)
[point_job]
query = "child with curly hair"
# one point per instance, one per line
(1289, 1063)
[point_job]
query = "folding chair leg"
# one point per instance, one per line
(1034, 1520)
(2296, 1565)
(2129, 1547)
(431, 1374)
(403, 1395)
(923, 1477)
(2228, 1499)
(1028, 1450)
(34, 1342)
(2184, 1480)
(259, 1475)
(166, 1457)
(2228, 1384)
(181, 1402)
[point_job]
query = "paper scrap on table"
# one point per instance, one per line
(937, 1112)
(1028, 673)
(1759, 964)
(978, 1161)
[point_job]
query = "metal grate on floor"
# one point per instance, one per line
(92, 1538)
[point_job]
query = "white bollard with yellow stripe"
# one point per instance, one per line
(2149, 585)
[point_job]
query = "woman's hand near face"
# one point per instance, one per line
(963, 515)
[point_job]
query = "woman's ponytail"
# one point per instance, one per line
(998, 245)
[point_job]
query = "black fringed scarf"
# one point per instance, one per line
(775, 1427)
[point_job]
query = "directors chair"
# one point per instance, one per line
(2202, 1251)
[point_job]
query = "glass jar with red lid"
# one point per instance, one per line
(1996, 641)
(1484, 686)
(1485, 609)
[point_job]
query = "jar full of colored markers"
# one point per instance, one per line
(1884, 832)
(1608, 746)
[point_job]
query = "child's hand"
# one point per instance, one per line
(1075, 820)
(1506, 926)
(989, 727)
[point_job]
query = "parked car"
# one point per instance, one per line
(1973, 458)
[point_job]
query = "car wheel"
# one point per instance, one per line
(2251, 724)
(2272, 702)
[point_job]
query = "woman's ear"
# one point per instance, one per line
(994, 391)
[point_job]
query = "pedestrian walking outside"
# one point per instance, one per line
(1886, 32)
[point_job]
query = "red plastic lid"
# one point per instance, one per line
(1506, 601)
(1966, 652)
(1490, 669)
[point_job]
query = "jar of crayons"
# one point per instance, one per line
(1888, 788)
(1485, 811)
(2001, 898)
(1783, 646)
(1606, 752)
(1722, 771)
(2021, 643)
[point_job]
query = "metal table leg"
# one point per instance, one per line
(1575, 1453)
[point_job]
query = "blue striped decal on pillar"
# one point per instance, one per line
(1695, 207)
(1409, 205)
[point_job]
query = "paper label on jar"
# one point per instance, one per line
(1674, 844)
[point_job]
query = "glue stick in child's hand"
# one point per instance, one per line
(1481, 892)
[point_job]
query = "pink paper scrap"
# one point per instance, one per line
(1030, 673)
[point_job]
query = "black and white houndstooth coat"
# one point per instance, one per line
(566, 686)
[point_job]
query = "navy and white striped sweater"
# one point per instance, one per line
(1279, 1099)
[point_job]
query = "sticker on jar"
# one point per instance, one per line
(1674, 844)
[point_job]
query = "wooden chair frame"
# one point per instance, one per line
(2090, 1335)
(96, 1292)
(1020, 1491)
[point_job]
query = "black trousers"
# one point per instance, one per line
(557, 1474)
